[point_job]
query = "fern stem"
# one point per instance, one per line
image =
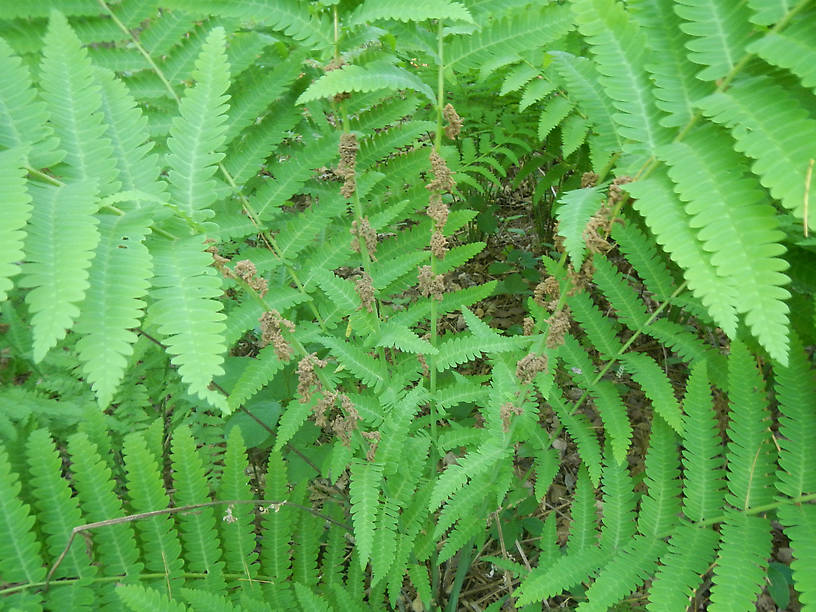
(802, 499)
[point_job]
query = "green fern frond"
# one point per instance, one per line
(620, 52)
(656, 385)
(580, 430)
(771, 127)
(553, 114)
(791, 48)
(702, 454)
(798, 521)
(640, 251)
(188, 314)
(739, 227)
(161, 549)
(277, 525)
(308, 536)
(583, 530)
(742, 561)
(575, 210)
(57, 510)
(751, 455)
(719, 32)
(691, 551)
(20, 559)
(198, 133)
(620, 294)
(618, 525)
(126, 128)
(199, 537)
(463, 390)
(474, 463)
(293, 417)
(206, 601)
(112, 308)
(17, 210)
(625, 572)
(257, 373)
(375, 10)
(62, 235)
(602, 331)
(463, 348)
(574, 131)
(509, 36)
(371, 77)
(24, 118)
(368, 370)
(137, 597)
(667, 219)
(796, 393)
(567, 572)
(237, 534)
(364, 491)
(613, 414)
(74, 101)
(676, 86)
(117, 552)
(582, 81)
(660, 508)
(395, 430)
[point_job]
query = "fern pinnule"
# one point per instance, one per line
(237, 528)
(374, 76)
(620, 294)
(307, 544)
(256, 373)
(751, 452)
(742, 561)
(187, 312)
(199, 538)
(770, 126)
(620, 52)
(277, 524)
(364, 491)
(57, 510)
(137, 597)
(791, 48)
(17, 210)
(643, 255)
(660, 508)
(423, 10)
(117, 552)
(111, 308)
(20, 558)
(198, 133)
(385, 541)
(798, 520)
(656, 386)
(157, 536)
(691, 551)
(601, 331)
(62, 236)
(738, 225)
(74, 103)
(703, 475)
(718, 34)
(612, 411)
(667, 219)
(24, 118)
(581, 431)
(126, 128)
(565, 573)
(575, 210)
(618, 525)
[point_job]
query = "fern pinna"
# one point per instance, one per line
(255, 211)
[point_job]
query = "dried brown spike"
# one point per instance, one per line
(454, 122)
(365, 289)
(529, 366)
(307, 377)
(506, 412)
(589, 179)
(439, 245)
(374, 438)
(431, 285)
(438, 210)
(443, 177)
(271, 323)
(559, 325)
